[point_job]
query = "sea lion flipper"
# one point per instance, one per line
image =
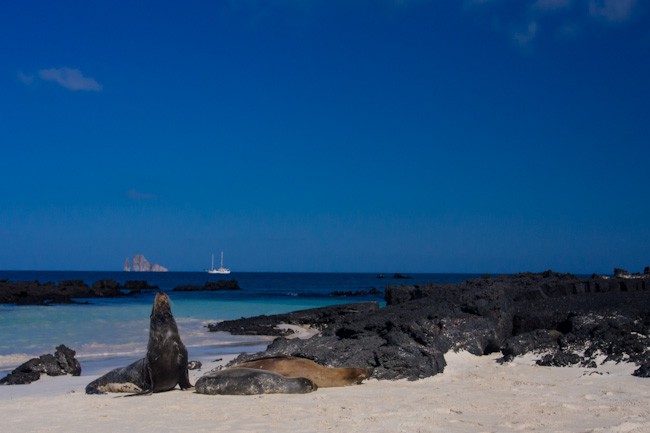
(184, 381)
(183, 371)
(138, 394)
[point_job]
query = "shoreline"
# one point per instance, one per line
(94, 364)
(431, 334)
(473, 394)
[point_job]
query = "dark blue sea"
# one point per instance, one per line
(108, 333)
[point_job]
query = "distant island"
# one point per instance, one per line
(140, 264)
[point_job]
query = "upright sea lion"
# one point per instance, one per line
(164, 366)
(250, 381)
(300, 367)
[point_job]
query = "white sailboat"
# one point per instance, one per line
(221, 269)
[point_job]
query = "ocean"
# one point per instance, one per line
(109, 333)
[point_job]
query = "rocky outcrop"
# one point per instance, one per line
(210, 286)
(137, 286)
(559, 314)
(141, 264)
(350, 293)
(62, 362)
(395, 276)
(65, 292)
(318, 317)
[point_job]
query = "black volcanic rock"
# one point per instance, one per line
(102, 285)
(137, 286)
(34, 292)
(643, 370)
(559, 359)
(317, 317)
(194, 365)
(568, 318)
(350, 293)
(65, 292)
(222, 285)
(62, 362)
(210, 286)
(65, 357)
(188, 288)
(536, 340)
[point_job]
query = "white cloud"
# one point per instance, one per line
(612, 10)
(71, 79)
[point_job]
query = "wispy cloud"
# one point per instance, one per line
(612, 10)
(71, 79)
(524, 37)
(136, 195)
(523, 20)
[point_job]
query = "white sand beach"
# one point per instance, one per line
(474, 394)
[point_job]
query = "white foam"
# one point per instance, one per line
(13, 360)
(101, 350)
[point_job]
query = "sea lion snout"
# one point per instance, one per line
(306, 384)
(363, 373)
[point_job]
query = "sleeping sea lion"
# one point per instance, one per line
(164, 366)
(300, 367)
(250, 381)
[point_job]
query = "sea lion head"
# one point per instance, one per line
(358, 375)
(161, 305)
(302, 385)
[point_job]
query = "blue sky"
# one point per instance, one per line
(305, 135)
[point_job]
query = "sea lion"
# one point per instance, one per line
(250, 381)
(322, 376)
(164, 366)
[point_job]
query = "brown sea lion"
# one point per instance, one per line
(164, 366)
(322, 376)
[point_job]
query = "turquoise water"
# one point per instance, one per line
(107, 333)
